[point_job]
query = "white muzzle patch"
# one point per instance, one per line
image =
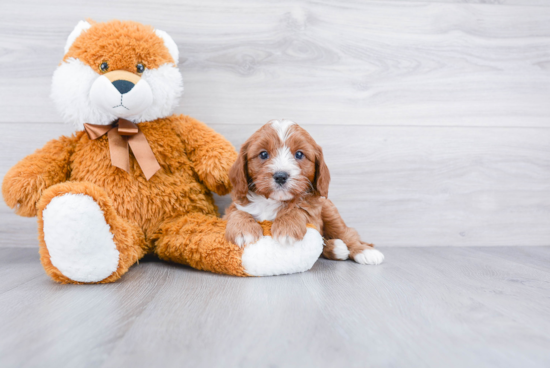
(105, 96)
(83, 96)
(284, 162)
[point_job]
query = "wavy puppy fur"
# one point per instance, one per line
(280, 175)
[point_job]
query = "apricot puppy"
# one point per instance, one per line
(280, 175)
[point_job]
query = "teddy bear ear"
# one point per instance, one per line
(80, 27)
(170, 44)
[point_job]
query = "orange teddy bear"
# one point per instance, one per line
(102, 207)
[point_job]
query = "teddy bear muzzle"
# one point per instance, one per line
(121, 93)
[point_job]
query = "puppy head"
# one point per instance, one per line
(280, 161)
(117, 70)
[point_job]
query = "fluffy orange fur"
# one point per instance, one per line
(172, 215)
(126, 43)
(128, 237)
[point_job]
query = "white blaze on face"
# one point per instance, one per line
(283, 161)
(282, 128)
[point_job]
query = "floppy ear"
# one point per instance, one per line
(322, 175)
(80, 27)
(170, 45)
(238, 174)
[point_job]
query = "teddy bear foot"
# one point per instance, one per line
(267, 257)
(78, 244)
(199, 241)
(78, 238)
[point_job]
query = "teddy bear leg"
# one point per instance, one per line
(82, 238)
(199, 241)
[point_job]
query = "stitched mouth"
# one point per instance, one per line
(121, 104)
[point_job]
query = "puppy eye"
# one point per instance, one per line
(104, 66)
(140, 68)
(264, 155)
(299, 155)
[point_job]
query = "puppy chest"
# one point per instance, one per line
(261, 208)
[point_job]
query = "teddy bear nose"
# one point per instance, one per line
(123, 86)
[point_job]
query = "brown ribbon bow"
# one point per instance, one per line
(121, 134)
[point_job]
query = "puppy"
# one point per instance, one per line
(280, 175)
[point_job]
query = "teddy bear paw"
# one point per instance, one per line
(78, 238)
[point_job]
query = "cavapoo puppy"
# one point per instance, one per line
(280, 175)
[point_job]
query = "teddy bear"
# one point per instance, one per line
(134, 179)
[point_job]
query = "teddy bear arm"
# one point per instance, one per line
(210, 153)
(25, 182)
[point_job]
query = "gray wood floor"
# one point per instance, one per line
(424, 307)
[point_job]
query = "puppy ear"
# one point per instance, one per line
(322, 175)
(238, 174)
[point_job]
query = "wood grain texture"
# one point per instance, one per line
(424, 307)
(322, 62)
(491, 2)
(434, 115)
(397, 185)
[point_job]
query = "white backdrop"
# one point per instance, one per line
(433, 115)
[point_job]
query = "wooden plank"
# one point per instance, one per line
(490, 2)
(536, 257)
(17, 267)
(326, 62)
(424, 307)
(452, 323)
(47, 324)
(398, 186)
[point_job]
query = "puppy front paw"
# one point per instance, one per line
(244, 233)
(287, 232)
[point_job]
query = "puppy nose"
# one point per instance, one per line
(280, 177)
(123, 86)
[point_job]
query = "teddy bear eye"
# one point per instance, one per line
(140, 68)
(264, 155)
(299, 155)
(104, 66)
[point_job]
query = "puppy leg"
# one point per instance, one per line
(335, 229)
(336, 250)
(242, 228)
(289, 227)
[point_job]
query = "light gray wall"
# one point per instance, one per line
(433, 115)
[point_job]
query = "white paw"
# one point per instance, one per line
(79, 239)
(245, 239)
(285, 240)
(340, 250)
(369, 256)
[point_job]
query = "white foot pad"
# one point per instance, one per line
(370, 256)
(78, 238)
(267, 257)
